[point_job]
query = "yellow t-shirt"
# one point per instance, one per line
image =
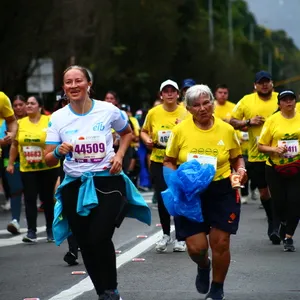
(248, 107)
(298, 107)
(224, 111)
(279, 131)
(5, 110)
(159, 124)
(31, 143)
(5, 107)
(136, 130)
(211, 146)
(244, 140)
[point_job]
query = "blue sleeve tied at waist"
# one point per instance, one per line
(87, 200)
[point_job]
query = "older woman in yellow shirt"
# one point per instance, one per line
(211, 141)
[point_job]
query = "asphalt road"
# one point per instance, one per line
(258, 269)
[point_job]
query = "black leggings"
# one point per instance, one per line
(73, 245)
(40, 183)
(94, 232)
(253, 186)
(285, 194)
(160, 185)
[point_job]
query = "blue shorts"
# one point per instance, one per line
(221, 209)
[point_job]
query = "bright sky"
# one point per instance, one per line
(278, 14)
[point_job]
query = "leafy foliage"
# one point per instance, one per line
(131, 46)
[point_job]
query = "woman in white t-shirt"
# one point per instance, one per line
(81, 131)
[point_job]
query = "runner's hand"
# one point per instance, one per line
(65, 148)
(149, 143)
(257, 121)
(10, 169)
(243, 176)
(8, 138)
(280, 150)
(116, 162)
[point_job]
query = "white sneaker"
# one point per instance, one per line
(161, 245)
(6, 206)
(244, 199)
(13, 227)
(254, 195)
(179, 246)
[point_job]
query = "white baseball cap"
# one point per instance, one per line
(169, 82)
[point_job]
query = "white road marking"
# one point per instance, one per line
(15, 240)
(86, 285)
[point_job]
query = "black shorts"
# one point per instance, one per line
(257, 173)
(221, 209)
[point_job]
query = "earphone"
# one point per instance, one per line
(271, 84)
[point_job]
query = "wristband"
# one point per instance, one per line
(242, 168)
(56, 154)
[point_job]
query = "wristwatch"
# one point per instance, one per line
(248, 122)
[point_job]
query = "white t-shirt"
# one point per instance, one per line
(123, 112)
(90, 134)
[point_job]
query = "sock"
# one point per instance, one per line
(216, 286)
(268, 208)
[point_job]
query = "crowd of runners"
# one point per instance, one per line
(87, 162)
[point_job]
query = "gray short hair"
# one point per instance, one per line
(194, 92)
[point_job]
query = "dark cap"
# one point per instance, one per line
(262, 74)
(125, 107)
(188, 83)
(285, 93)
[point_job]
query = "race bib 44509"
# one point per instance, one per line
(90, 148)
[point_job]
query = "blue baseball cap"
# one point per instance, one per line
(262, 74)
(188, 83)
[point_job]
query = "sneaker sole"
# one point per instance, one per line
(290, 250)
(160, 250)
(29, 241)
(215, 299)
(12, 229)
(179, 250)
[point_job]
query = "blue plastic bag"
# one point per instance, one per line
(182, 198)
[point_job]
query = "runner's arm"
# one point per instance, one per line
(170, 162)
(50, 159)
(12, 126)
(146, 138)
(13, 153)
(238, 165)
(271, 150)
(125, 140)
(117, 160)
(238, 124)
